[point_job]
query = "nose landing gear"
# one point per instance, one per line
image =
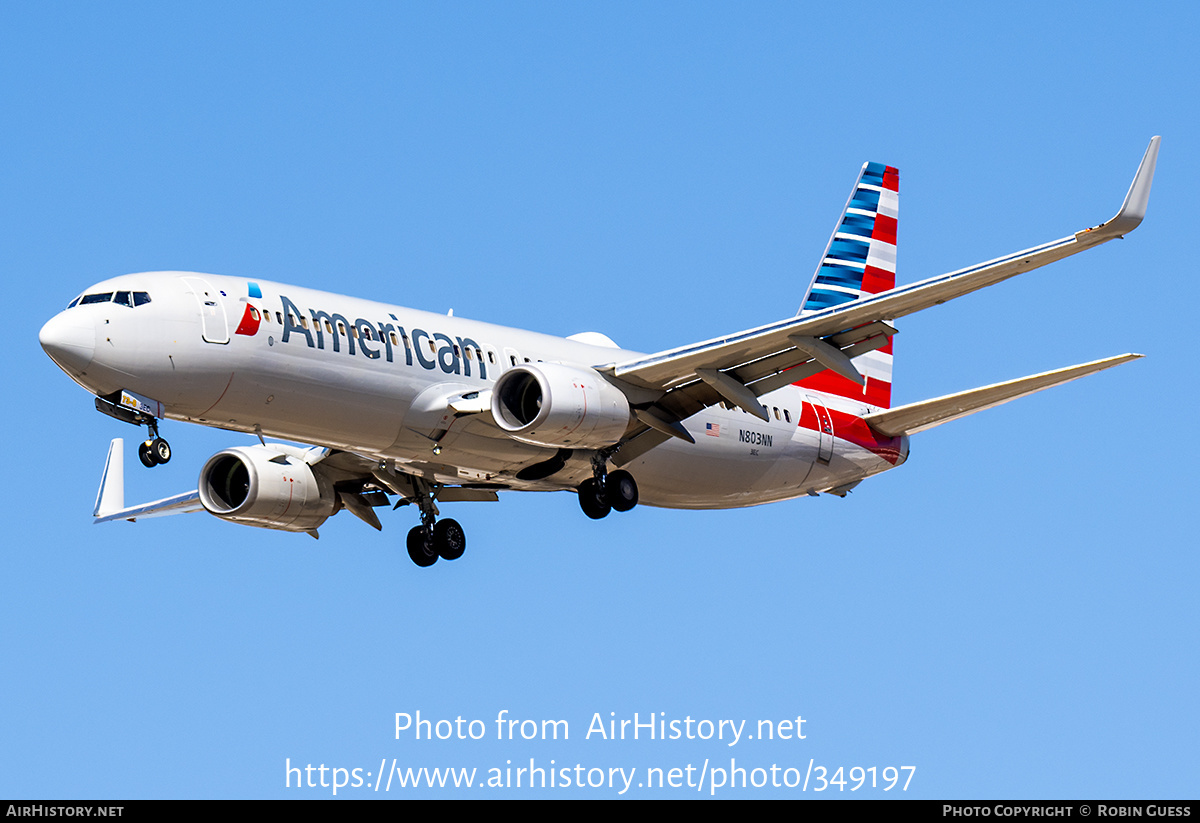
(138, 411)
(155, 450)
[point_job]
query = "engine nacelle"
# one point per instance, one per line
(267, 487)
(549, 404)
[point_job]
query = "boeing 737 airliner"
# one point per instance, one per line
(429, 408)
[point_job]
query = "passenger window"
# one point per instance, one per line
(787, 416)
(392, 335)
(776, 412)
(328, 327)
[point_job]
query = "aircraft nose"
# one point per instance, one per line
(70, 340)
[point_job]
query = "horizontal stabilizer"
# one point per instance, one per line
(917, 417)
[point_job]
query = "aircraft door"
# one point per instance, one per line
(824, 430)
(213, 321)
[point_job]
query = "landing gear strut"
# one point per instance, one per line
(433, 538)
(606, 491)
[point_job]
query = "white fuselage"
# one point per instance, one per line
(373, 379)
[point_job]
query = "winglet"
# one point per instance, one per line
(1133, 210)
(111, 496)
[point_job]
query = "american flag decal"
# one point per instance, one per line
(712, 429)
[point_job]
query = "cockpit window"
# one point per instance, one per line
(122, 298)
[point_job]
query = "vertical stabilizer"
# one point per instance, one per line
(859, 260)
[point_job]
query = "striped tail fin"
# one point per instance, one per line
(860, 259)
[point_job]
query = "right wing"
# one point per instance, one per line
(741, 367)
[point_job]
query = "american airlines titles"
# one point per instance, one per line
(375, 340)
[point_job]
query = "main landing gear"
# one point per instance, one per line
(155, 450)
(607, 490)
(447, 541)
(434, 538)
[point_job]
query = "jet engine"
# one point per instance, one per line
(549, 404)
(262, 486)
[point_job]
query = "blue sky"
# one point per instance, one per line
(1012, 612)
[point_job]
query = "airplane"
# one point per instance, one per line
(430, 408)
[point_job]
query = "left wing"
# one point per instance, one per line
(110, 500)
(358, 482)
